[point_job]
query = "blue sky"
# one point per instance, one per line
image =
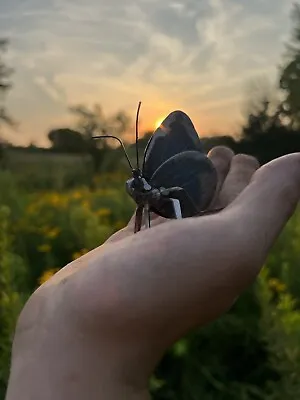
(194, 55)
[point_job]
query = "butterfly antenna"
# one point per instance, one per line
(137, 136)
(121, 143)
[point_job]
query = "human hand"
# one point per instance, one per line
(98, 328)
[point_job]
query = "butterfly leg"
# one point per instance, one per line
(138, 218)
(175, 202)
(147, 216)
(176, 190)
(177, 208)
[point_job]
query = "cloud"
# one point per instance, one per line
(192, 54)
(48, 88)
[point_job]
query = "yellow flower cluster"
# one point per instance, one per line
(103, 212)
(51, 216)
(55, 200)
(79, 254)
(50, 233)
(44, 248)
(86, 205)
(120, 225)
(42, 201)
(77, 195)
(277, 285)
(47, 275)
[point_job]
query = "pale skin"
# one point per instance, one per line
(98, 328)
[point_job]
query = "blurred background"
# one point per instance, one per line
(70, 70)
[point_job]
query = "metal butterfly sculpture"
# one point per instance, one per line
(177, 179)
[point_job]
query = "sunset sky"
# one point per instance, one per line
(194, 55)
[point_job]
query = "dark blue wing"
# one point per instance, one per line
(195, 174)
(175, 135)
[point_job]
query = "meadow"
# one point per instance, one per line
(252, 352)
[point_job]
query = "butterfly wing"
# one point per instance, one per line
(195, 174)
(175, 135)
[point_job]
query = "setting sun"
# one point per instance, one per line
(158, 123)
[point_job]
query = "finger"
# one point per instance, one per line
(264, 207)
(221, 157)
(241, 171)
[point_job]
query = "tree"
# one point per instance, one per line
(290, 73)
(67, 140)
(263, 107)
(93, 122)
(262, 120)
(5, 84)
(265, 136)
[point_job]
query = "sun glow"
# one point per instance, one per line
(158, 123)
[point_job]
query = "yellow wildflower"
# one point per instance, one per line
(119, 225)
(103, 212)
(86, 205)
(52, 233)
(79, 254)
(44, 248)
(77, 195)
(47, 275)
(276, 285)
(31, 208)
(54, 199)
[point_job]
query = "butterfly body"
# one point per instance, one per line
(143, 193)
(177, 179)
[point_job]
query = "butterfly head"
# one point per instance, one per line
(137, 186)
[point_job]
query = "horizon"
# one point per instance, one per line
(197, 56)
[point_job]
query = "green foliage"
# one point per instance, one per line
(12, 294)
(290, 74)
(280, 325)
(52, 228)
(10, 193)
(250, 353)
(93, 122)
(58, 171)
(67, 140)
(5, 84)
